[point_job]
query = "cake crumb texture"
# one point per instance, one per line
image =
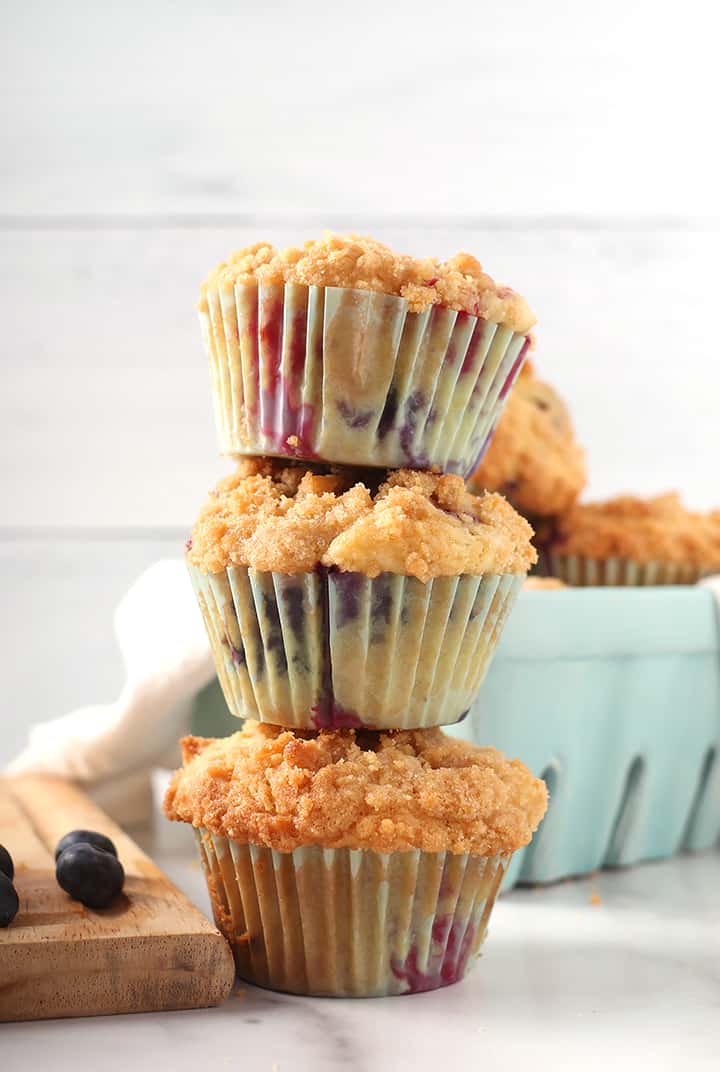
(533, 457)
(289, 519)
(365, 264)
(658, 529)
(387, 792)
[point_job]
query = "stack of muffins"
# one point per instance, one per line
(353, 592)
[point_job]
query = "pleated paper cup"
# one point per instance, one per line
(352, 377)
(268, 635)
(332, 649)
(580, 571)
(350, 923)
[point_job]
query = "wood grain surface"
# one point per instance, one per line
(151, 950)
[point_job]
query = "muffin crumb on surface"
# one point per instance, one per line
(388, 792)
(288, 519)
(364, 264)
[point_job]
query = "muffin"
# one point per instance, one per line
(330, 601)
(345, 352)
(533, 457)
(632, 541)
(348, 863)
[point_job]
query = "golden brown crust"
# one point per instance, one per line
(271, 516)
(644, 530)
(364, 264)
(388, 792)
(533, 457)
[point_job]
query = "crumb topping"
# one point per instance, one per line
(658, 529)
(364, 264)
(533, 457)
(288, 519)
(387, 792)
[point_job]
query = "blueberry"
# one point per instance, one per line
(381, 608)
(354, 418)
(89, 874)
(6, 864)
(9, 903)
(349, 589)
(87, 837)
(236, 654)
(389, 413)
(413, 405)
(293, 598)
(275, 642)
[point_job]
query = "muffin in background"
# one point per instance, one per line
(533, 457)
(346, 352)
(353, 864)
(536, 584)
(330, 601)
(633, 541)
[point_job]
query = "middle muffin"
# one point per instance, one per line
(330, 601)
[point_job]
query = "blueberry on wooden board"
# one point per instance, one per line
(6, 865)
(86, 837)
(89, 874)
(9, 903)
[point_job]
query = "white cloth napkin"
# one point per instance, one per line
(112, 749)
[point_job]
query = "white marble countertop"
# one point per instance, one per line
(621, 971)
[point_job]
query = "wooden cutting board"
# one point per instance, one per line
(152, 950)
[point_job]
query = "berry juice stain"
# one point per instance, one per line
(444, 969)
(332, 717)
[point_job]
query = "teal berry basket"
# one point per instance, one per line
(612, 696)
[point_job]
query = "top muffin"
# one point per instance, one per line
(290, 520)
(348, 353)
(358, 263)
(534, 458)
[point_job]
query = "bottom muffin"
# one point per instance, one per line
(349, 863)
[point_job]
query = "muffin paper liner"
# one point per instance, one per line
(332, 649)
(348, 922)
(352, 377)
(581, 571)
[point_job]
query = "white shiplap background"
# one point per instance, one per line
(572, 147)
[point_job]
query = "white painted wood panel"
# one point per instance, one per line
(105, 416)
(56, 628)
(467, 109)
